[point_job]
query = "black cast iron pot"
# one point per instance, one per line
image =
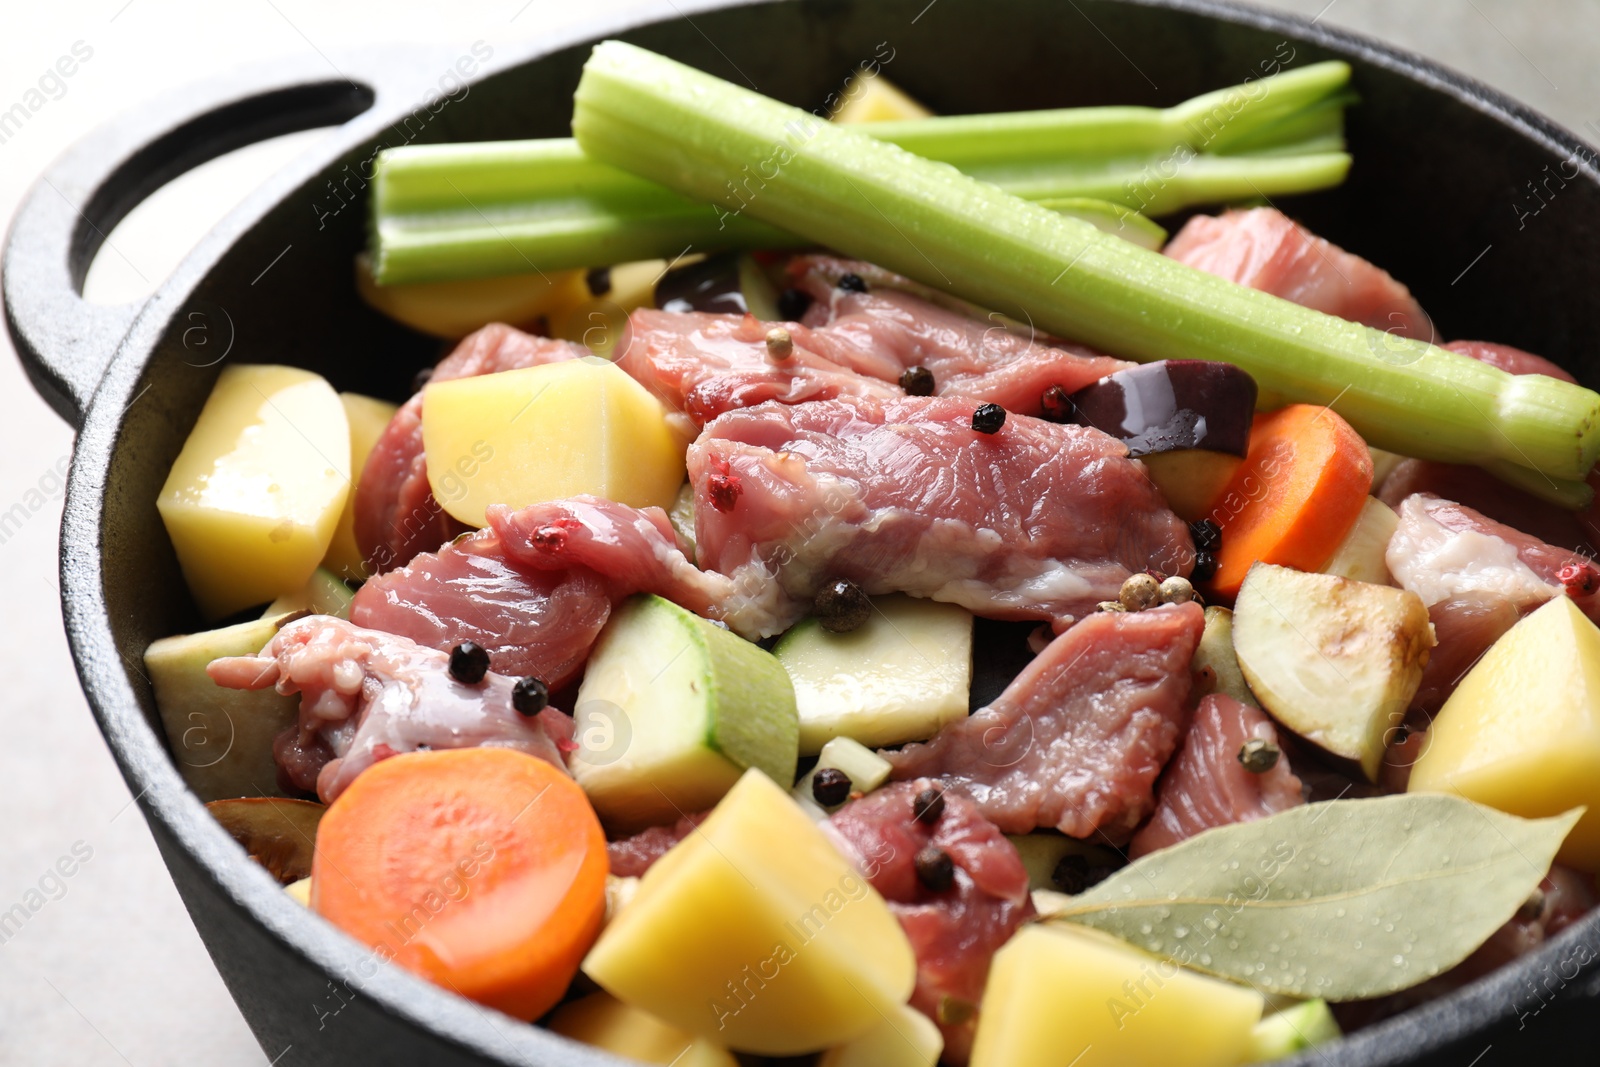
(1438, 196)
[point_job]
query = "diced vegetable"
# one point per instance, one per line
(904, 1038)
(522, 437)
(603, 1021)
(865, 768)
(1192, 480)
(836, 186)
(1294, 1029)
(1063, 995)
(757, 933)
(324, 594)
(1335, 661)
(463, 210)
(1171, 405)
(481, 869)
(300, 892)
(1042, 854)
(671, 712)
(453, 309)
(368, 419)
(221, 739)
(681, 514)
(599, 318)
(252, 500)
(1360, 556)
(1216, 667)
(729, 283)
(874, 98)
(898, 677)
(1522, 731)
(1383, 464)
(1296, 496)
(277, 833)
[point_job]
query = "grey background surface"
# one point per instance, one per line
(109, 971)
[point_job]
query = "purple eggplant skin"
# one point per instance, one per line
(1169, 405)
(711, 285)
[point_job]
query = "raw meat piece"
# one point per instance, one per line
(1077, 741)
(1265, 249)
(367, 695)
(1205, 785)
(954, 934)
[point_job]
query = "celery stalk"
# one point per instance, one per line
(696, 133)
(442, 212)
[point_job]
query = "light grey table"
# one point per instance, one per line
(107, 970)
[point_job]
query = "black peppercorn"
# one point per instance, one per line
(852, 283)
(530, 696)
(935, 868)
(1206, 534)
(928, 806)
(421, 379)
(830, 787)
(469, 662)
(841, 606)
(1205, 566)
(989, 418)
(917, 381)
(1258, 756)
(792, 304)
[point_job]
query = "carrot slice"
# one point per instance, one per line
(481, 869)
(1296, 495)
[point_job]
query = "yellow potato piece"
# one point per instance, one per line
(252, 500)
(904, 1038)
(454, 309)
(544, 433)
(876, 99)
(603, 1021)
(368, 418)
(757, 934)
(1521, 733)
(1061, 995)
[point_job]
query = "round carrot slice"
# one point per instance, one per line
(1296, 495)
(481, 869)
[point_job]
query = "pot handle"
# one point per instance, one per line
(66, 342)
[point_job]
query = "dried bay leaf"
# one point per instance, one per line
(1344, 900)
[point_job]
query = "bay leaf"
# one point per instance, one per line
(1344, 900)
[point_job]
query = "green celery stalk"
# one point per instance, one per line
(693, 133)
(442, 212)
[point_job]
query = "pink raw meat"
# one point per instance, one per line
(1509, 359)
(1077, 740)
(537, 623)
(1265, 249)
(1205, 785)
(707, 364)
(1037, 521)
(367, 695)
(954, 933)
(885, 330)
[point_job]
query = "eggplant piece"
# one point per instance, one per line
(278, 833)
(1169, 405)
(728, 283)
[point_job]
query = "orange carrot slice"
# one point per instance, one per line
(1296, 495)
(481, 869)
